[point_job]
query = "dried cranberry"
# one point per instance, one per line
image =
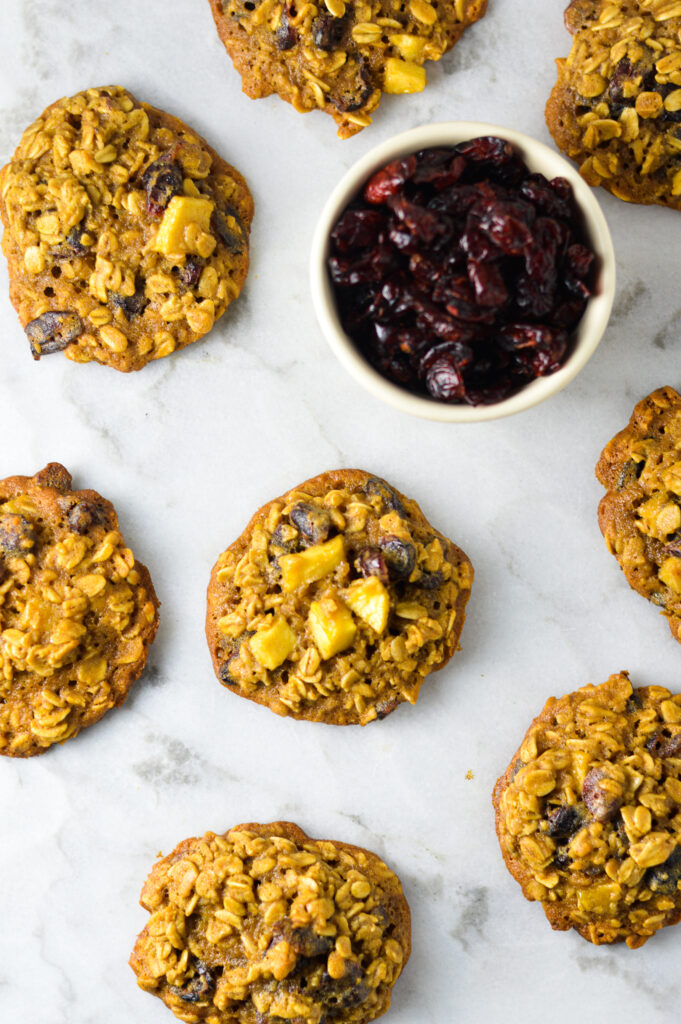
(304, 942)
(346, 992)
(436, 167)
(547, 357)
(536, 288)
(190, 273)
(520, 336)
(348, 272)
(602, 801)
(83, 515)
(72, 244)
(390, 180)
(441, 369)
(661, 745)
(285, 36)
(17, 536)
(568, 314)
(162, 180)
(462, 246)
(476, 245)
(285, 540)
(385, 707)
(229, 228)
(353, 85)
(312, 521)
(507, 223)
(487, 280)
(419, 221)
(400, 555)
(131, 305)
(199, 987)
(375, 487)
(327, 32)
(431, 580)
(395, 367)
(622, 73)
(444, 380)
(357, 229)
(370, 562)
(459, 300)
(430, 317)
(665, 877)
(566, 820)
(579, 260)
(545, 198)
(52, 332)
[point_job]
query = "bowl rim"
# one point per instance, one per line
(538, 156)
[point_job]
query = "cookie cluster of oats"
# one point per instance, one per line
(640, 516)
(293, 621)
(264, 923)
(336, 56)
(112, 259)
(588, 815)
(616, 107)
(76, 617)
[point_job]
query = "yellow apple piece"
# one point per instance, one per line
(181, 213)
(311, 565)
(370, 601)
(331, 625)
(273, 643)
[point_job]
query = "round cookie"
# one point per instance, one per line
(126, 234)
(77, 612)
(640, 516)
(263, 924)
(336, 601)
(588, 813)
(339, 56)
(616, 106)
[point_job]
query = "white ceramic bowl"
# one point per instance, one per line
(538, 157)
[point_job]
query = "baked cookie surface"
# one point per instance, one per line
(263, 924)
(126, 234)
(616, 106)
(588, 813)
(336, 601)
(339, 56)
(640, 516)
(77, 612)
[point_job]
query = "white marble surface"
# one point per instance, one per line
(191, 445)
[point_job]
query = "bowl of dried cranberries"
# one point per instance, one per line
(462, 272)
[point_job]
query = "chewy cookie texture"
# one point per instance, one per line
(336, 601)
(640, 516)
(77, 612)
(339, 55)
(264, 925)
(588, 813)
(616, 107)
(126, 234)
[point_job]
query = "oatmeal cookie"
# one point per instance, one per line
(336, 601)
(640, 516)
(616, 107)
(588, 813)
(339, 56)
(77, 612)
(264, 925)
(126, 234)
